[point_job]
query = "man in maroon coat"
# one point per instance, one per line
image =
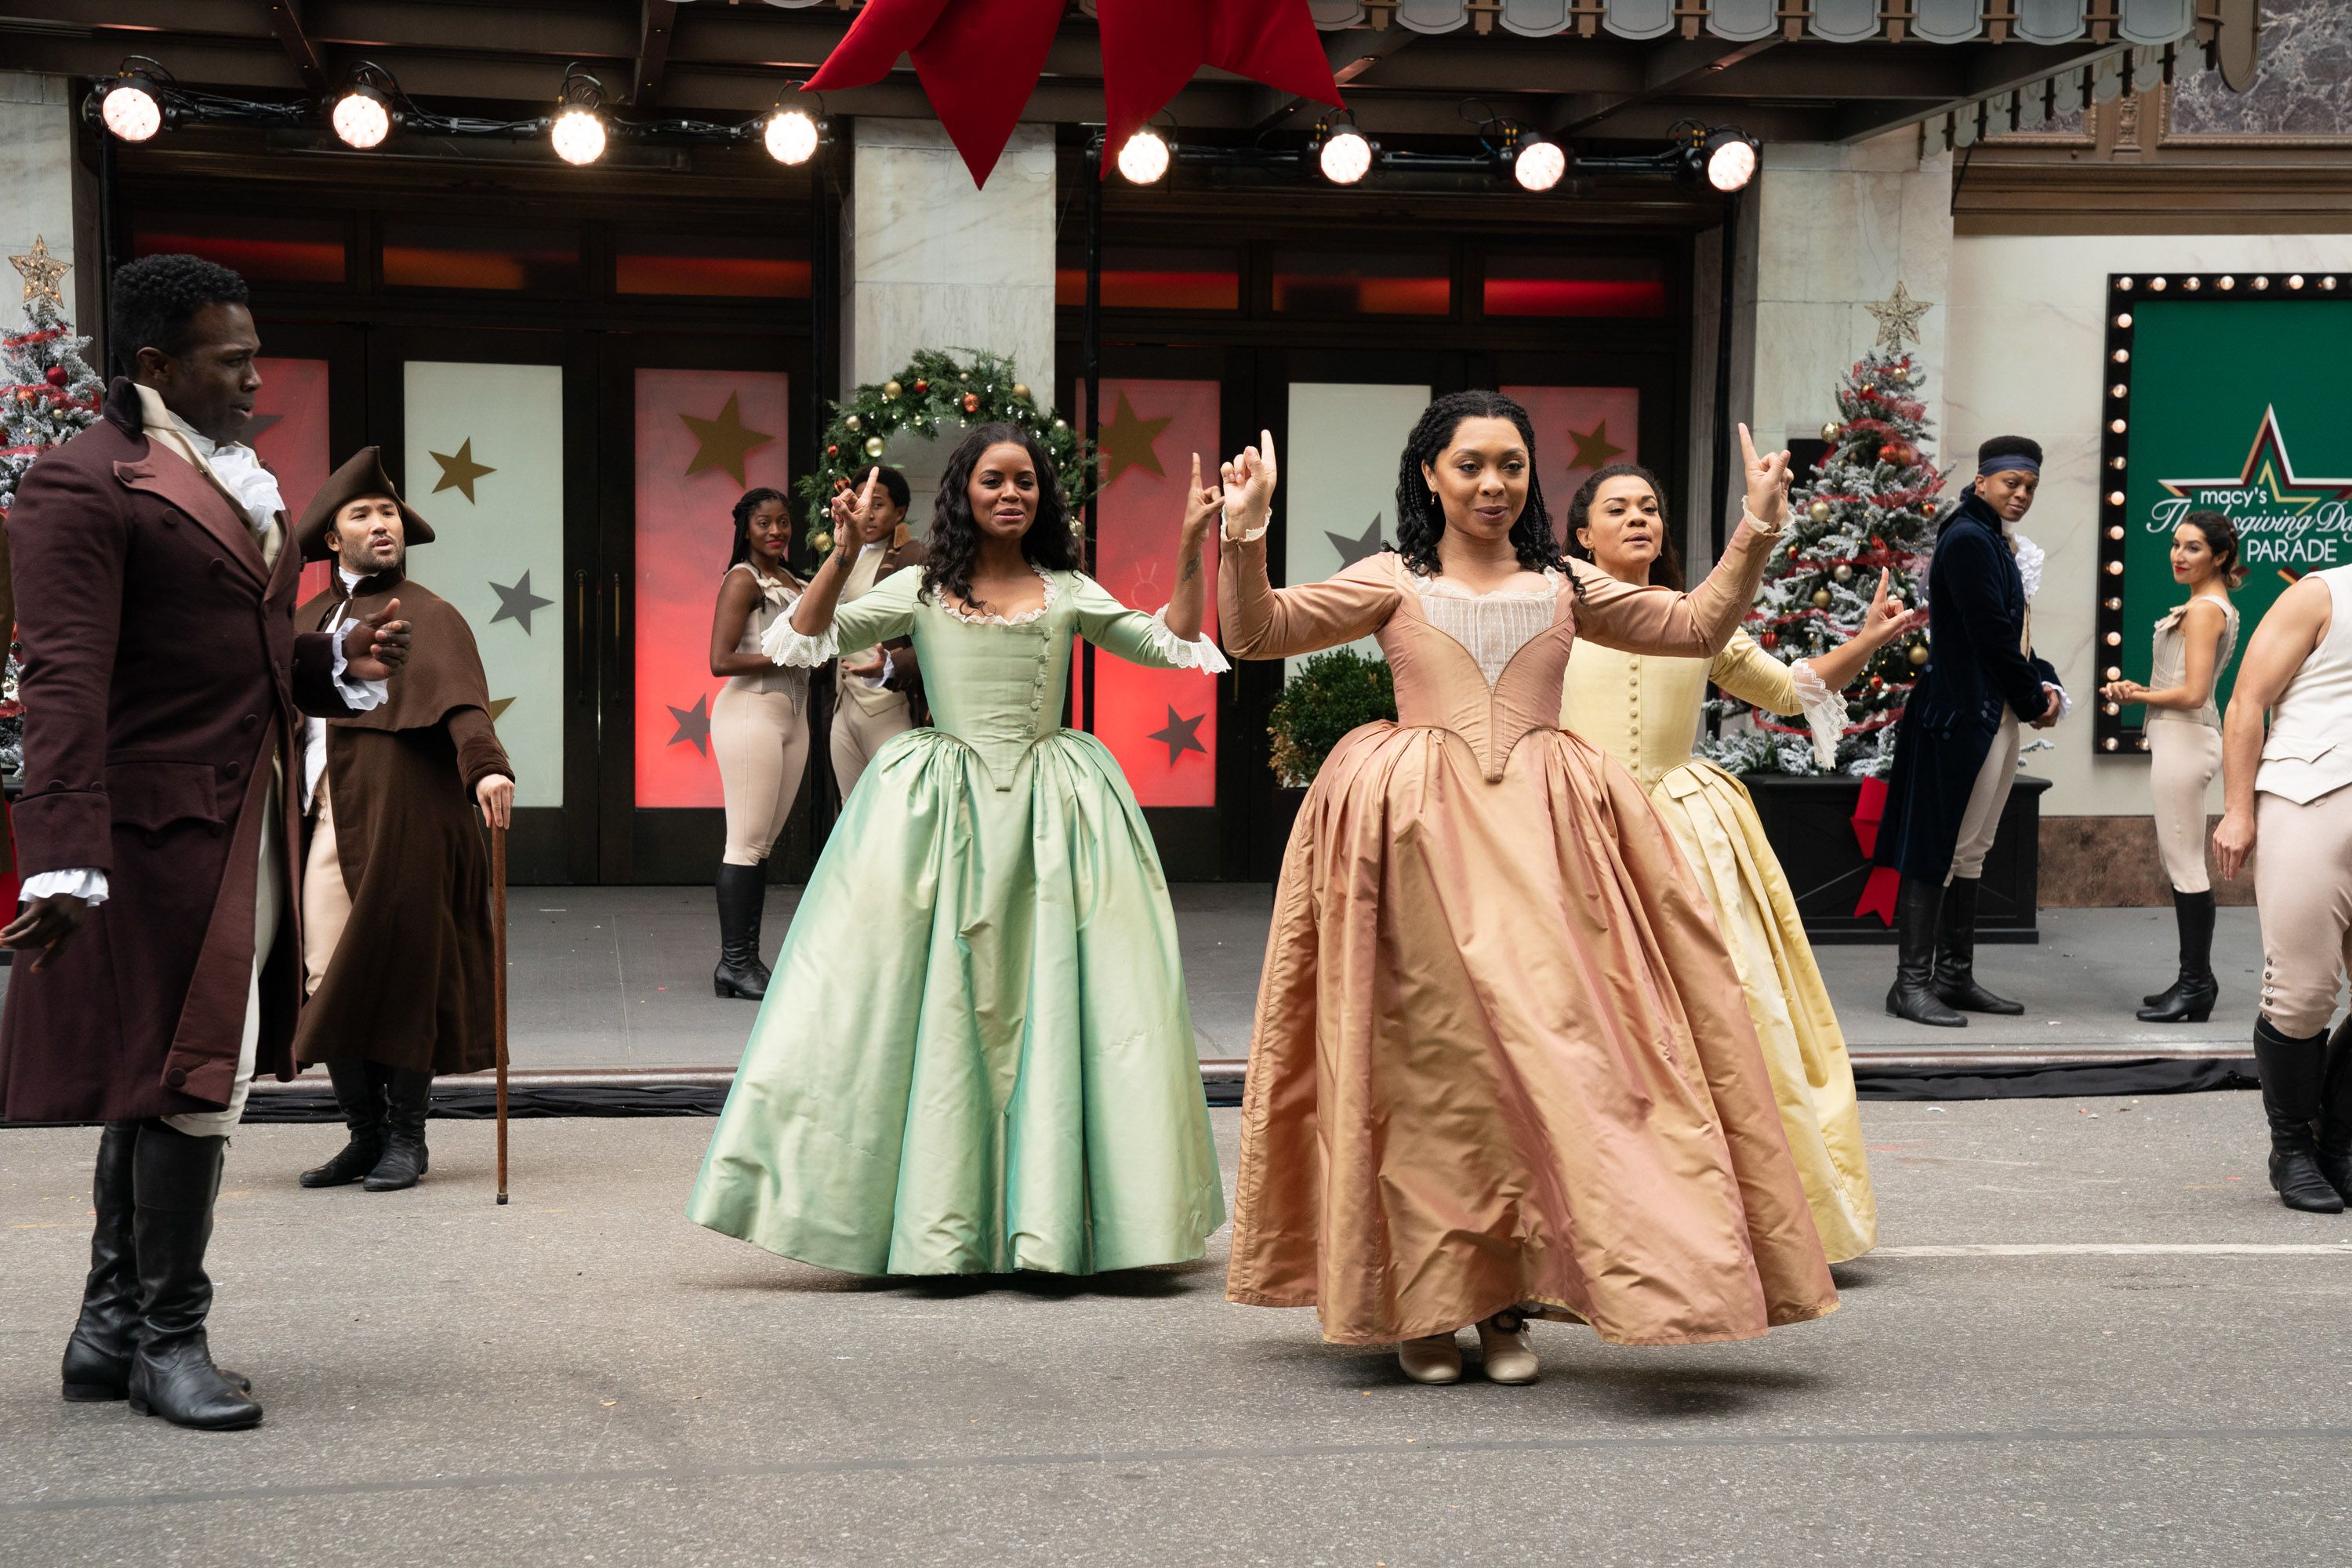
(161, 682)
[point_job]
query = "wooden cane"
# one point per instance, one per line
(499, 985)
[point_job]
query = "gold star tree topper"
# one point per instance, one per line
(1898, 317)
(42, 272)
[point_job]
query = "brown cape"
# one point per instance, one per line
(410, 982)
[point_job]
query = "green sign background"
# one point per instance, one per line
(2203, 371)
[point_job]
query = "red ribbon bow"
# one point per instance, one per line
(1878, 892)
(978, 60)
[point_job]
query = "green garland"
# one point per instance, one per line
(935, 390)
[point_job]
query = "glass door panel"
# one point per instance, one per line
(1579, 429)
(1339, 469)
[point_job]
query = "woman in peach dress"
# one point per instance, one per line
(1502, 1064)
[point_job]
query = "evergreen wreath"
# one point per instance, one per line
(936, 387)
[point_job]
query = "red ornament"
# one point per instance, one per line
(56, 376)
(971, 403)
(831, 451)
(922, 386)
(1897, 452)
(1768, 640)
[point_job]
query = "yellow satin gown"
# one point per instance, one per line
(1643, 711)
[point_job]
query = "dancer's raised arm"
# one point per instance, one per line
(1257, 620)
(1699, 623)
(815, 631)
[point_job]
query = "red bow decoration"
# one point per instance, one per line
(978, 60)
(1878, 892)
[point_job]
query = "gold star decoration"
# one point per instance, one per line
(498, 706)
(1594, 449)
(1126, 442)
(458, 469)
(1898, 317)
(42, 272)
(724, 441)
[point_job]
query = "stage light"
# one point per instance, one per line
(363, 116)
(1143, 158)
(577, 132)
(1343, 155)
(1539, 164)
(132, 105)
(790, 136)
(1730, 159)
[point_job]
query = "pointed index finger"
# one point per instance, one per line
(1746, 446)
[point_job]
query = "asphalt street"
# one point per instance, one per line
(2090, 1336)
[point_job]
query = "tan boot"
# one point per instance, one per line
(1503, 1345)
(1435, 1359)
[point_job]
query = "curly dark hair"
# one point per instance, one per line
(1421, 520)
(153, 302)
(955, 533)
(751, 501)
(1667, 569)
(2221, 538)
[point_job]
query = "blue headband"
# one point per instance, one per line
(2009, 460)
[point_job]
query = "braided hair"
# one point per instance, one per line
(1421, 517)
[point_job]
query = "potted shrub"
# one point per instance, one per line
(1330, 694)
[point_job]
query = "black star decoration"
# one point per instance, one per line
(1179, 736)
(516, 602)
(693, 724)
(1354, 550)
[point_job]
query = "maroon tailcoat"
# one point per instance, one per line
(161, 675)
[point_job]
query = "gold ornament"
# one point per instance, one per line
(1898, 317)
(1830, 429)
(853, 423)
(821, 542)
(42, 272)
(1060, 426)
(1021, 391)
(874, 445)
(963, 375)
(890, 389)
(1918, 654)
(1845, 574)
(1818, 511)
(1821, 598)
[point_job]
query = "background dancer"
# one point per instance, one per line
(156, 611)
(396, 941)
(876, 697)
(1643, 711)
(1011, 1080)
(1501, 1056)
(758, 731)
(2193, 643)
(1956, 750)
(2285, 791)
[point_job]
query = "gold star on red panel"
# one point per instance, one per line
(1594, 449)
(1126, 442)
(724, 442)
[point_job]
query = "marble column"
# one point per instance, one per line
(36, 178)
(1838, 228)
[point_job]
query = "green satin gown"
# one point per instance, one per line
(976, 1054)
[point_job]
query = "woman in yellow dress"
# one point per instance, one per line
(1643, 711)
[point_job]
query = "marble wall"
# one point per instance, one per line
(2024, 355)
(2302, 80)
(36, 176)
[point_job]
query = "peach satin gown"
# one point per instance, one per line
(1501, 1054)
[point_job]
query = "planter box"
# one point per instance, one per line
(1809, 821)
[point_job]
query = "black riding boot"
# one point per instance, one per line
(2294, 1073)
(2336, 1115)
(1955, 955)
(1912, 996)
(408, 1097)
(743, 897)
(359, 1094)
(174, 1180)
(2191, 996)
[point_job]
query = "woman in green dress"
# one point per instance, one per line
(1006, 1078)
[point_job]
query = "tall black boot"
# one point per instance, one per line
(2191, 996)
(1955, 955)
(98, 1356)
(1912, 995)
(407, 1099)
(359, 1096)
(2294, 1073)
(742, 896)
(2336, 1114)
(174, 1180)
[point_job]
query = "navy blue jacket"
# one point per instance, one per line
(1976, 620)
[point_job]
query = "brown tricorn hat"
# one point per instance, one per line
(364, 475)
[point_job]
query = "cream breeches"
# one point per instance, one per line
(858, 735)
(2182, 759)
(2302, 890)
(326, 902)
(761, 739)
(1987, 798)
(266, 912)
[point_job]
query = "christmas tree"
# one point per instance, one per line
(1869, 507)
(49, 394)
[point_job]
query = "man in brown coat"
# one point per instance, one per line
(163, 682)
(867, 716)
(396, 892)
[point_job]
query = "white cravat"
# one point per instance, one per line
(314, 729)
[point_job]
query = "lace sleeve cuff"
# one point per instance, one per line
(84, 882)
(1226, 530)
(1199, 654)
(1824, 711)
(790, 649)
